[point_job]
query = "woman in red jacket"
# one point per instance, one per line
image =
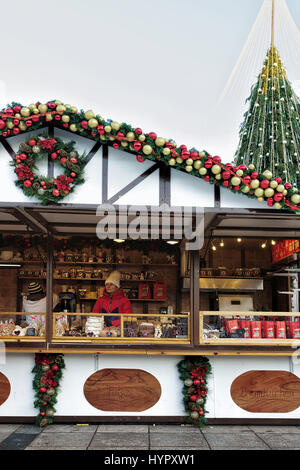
(113, 300)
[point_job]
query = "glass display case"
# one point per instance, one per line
(125, 328)
(250, 328)
(20, 326)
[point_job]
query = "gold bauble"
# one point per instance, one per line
(60, 108)
(73, 128)
(267, 174)
(295, 198)
(245, 189)
(93, 123)
(58, 102)
(89, 114)
(160, 141)
(269, 192)
(189, 162)
(25, 112)
(239, 173)
(284, 192)
(277, 205)
(9, 124)
(260, 199)
(124, 143)
(202, 171)
(166, 151)
(280, 188)
(147, 149)
(197, 164)
(172, 162)
(49, 117)
(216, 169)
(74, 109)
(235, 181)
(189, 168)
(65, 118)
(43, 108)
(179, 160)
(107, 129)
(273, 184)
(22, 126)
(254, 184)
(142, 138)
(218, 177)
(115, 125)
(201, 154)
(130, 136)
(259, 192)
(251, 166)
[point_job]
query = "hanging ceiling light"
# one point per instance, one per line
(264, 244)
(221, 243)
(273, 242)
(172, 242)
(239, 240)
(119, 240)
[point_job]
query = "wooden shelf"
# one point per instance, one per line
(95, 263)
(131, 300)
(86, 279)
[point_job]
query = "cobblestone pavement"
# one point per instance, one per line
(148, 437)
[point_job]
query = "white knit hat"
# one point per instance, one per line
(114, 278)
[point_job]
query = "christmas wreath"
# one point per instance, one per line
(48, 373)
(193, 372)
(48, 190)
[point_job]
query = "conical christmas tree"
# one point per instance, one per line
(270, 133)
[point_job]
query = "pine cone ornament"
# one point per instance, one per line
(63, 153)
(25, 147)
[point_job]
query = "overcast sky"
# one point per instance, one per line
(159, 65)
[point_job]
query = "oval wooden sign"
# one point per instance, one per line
(122, 390)
(4, 388)
(266, 391)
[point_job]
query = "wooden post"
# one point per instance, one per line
(49, 289)
(194, 297)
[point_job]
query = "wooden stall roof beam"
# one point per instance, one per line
(20, 213)
(41, 220)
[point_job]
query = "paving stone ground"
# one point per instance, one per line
(148, 437)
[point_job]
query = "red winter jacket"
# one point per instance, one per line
(116, 303)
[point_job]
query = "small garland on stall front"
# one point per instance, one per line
(194, 371)
(48, 373)
(48, 190)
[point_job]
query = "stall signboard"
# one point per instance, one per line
(284, 249)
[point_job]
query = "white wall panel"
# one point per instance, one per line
(235, 200)
(122, 169)
(188, 190)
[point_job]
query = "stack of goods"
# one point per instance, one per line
(146, 330)
(130, 329)
(7, 328)
(94, 326)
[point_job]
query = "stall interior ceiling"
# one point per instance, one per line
(81, 219)
(255, 225)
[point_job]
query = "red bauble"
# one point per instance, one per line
(254, 175)
(55, 192)
(43, 390)
(31, 142)
(42, 413)
(208, 164)
(217, 160)
(100, 129)
(140, 159)
(138, 131)
(287, 185)
(225, 183)
(228, 166)
(54, 156)
(57, 117)
(193, 397)
(22, 156)
(278, 179)
(206, 178)
(242, 167)
(27, 183)
(16, 122)
(35, 118)
(226, 175)
(185, 154)
(73, 174)
(183, 147)
(197, 382)
(84, 124)
(17, 108)
(63, 160)
(236, 188)
(152, 135)
(246, 180)
(55, 367)
(9, 111)
(264, 184)
(116, 146)
(120, 135)
(16, 131)
(28, 123)
(194, 155)
(2, 124)
(73, 160)
(137, 146)
(278, 197)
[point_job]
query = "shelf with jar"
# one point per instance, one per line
(250, 328)
(22, 327)
(124, 328)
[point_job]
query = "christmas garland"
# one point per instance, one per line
(262, 186)
(193, 372)
(48, 373)
(48, 190)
